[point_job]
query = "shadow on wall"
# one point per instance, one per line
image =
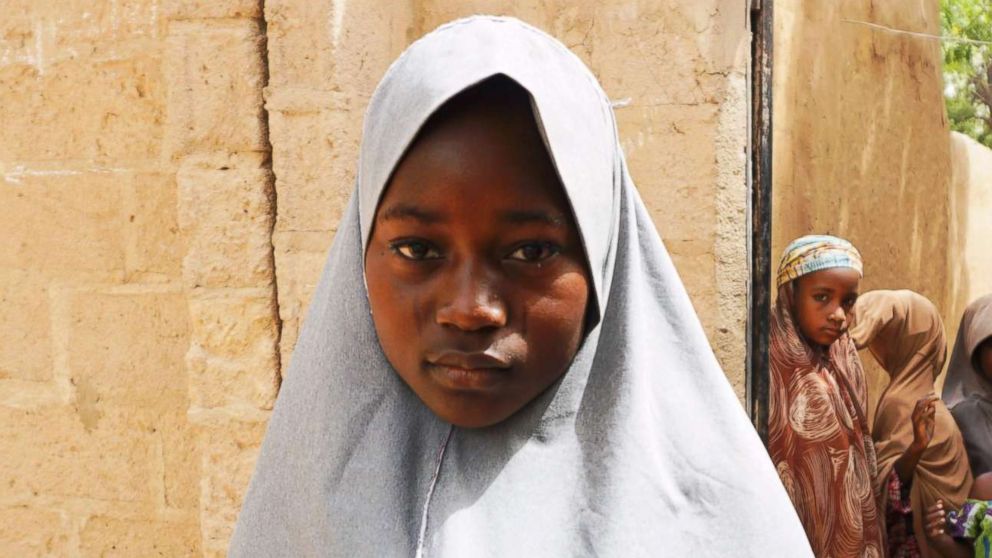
(958, 279)
(969, 260)
(861, 141)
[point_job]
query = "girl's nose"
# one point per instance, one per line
(838, 315)
(471, 303)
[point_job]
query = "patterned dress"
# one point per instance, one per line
(899, 519)
(819, 441)
(973, 524)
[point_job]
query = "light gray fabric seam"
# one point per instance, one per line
(430, 493)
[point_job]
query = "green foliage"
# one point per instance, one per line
(968, 67)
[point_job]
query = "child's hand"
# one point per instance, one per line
(935, 526)
(935, 523)
(924, 421)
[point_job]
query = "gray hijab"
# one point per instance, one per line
(966, 391)
(641, 449)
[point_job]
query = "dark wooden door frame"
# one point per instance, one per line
(760, 215)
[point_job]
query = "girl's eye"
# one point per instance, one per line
(534, 252)
(415, 250)
(820, 297)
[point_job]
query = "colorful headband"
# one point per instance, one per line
(815, 252)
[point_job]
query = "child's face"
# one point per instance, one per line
(477, 278)
(822, 303)
(982, 488)
(983, 358)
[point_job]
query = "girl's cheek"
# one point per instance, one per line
(809, 320)
(557, 313)
(422, 309)
(985, 358)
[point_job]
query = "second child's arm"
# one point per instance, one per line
(935, 525)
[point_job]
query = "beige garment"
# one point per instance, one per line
(903, 331)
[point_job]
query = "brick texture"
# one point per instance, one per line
(136, 207)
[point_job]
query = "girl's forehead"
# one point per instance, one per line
(836, 278)
(482, 151)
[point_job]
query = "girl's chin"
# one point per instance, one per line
(821, 339)
(826, 341)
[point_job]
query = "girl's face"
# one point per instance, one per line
(983, 358)
(823, 301)
(477, 278)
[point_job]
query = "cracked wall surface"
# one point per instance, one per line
(173, 174)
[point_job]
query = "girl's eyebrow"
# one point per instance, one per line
(407, 211)
(534, 216)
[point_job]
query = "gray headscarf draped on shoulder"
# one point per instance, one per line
(966, 391)
(641, 449)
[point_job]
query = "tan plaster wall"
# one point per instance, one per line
(138, 328)
(860, 140)
(173, 173)
(970, 237)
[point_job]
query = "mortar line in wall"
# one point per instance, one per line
(263, 27)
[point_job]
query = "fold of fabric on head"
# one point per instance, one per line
(817, 433)
(640, 449)
(903, 331)
(966, 391)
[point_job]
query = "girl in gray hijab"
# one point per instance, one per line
(968, 388)
(500, 359)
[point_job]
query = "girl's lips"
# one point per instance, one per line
(468, 360)
(462, 371)
(468, 379)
